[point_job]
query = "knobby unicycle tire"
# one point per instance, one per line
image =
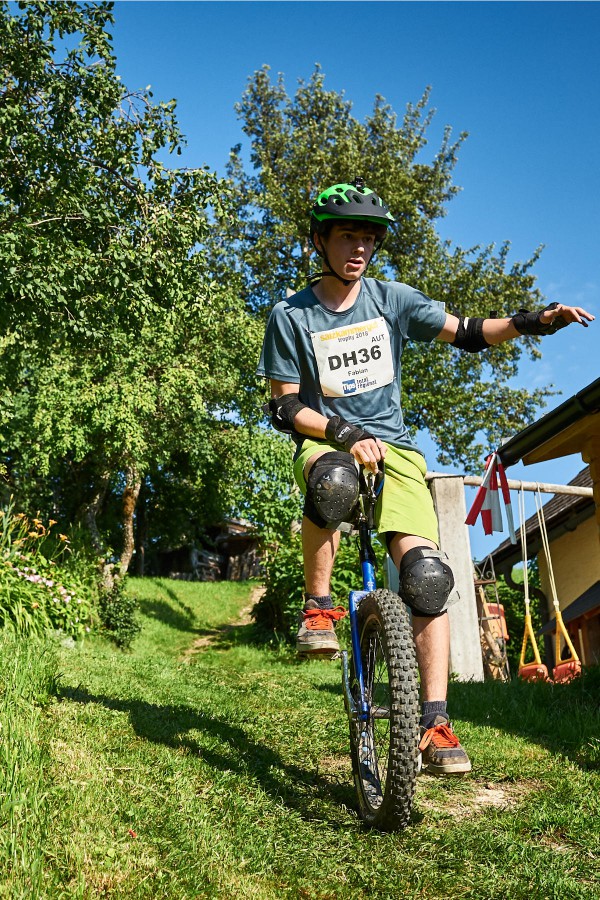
(384, 748)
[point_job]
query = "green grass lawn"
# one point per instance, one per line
(202, 764)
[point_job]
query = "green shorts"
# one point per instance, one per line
(405, 504)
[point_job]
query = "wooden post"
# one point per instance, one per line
(465, 647)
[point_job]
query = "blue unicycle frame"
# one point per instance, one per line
(358, 706)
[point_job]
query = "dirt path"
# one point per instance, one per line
(244, 618)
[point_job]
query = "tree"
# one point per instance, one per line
(299, 145)
(120, 353)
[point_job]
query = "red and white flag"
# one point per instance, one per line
(487, 500)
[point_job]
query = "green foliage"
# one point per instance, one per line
(300, 144)
(42, 588)
(256, 481)
(118, 610)
(121, 355)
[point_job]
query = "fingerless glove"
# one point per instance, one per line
(344, 434)
(527, 322)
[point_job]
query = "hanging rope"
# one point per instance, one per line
(567, 669)
(535, 671)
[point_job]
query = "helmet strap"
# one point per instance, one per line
(316, 276)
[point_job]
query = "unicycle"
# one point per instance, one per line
(380, 687)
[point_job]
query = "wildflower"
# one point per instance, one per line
(63, 537)
(35, 605)
(52, 522)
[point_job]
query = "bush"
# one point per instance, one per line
(277, 610)
(43, 585)
(118, 614)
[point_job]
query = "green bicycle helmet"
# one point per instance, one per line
(355, 202)
(350, 201)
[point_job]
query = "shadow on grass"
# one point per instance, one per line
(232, 749)
(165, 613)
(172, 612)
(563, 718)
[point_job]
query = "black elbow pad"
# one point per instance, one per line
(469, 335)
(283, 411)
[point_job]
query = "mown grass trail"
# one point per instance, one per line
(224, 772)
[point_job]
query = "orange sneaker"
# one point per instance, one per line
(441, 751)
(316, 634)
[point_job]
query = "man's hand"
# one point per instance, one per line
(369, 452)
(568, 314)
(366, 449)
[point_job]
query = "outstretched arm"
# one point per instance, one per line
(478, 334)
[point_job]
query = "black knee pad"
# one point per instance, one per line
(426, 581)
(332, 490)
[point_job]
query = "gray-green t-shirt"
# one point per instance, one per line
(349, 363)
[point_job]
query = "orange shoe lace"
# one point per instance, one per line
(321, 619)
(441, 736)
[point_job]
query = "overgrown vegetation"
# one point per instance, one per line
(202, 765)
(118, 614)
(44, 586)
(28, 672)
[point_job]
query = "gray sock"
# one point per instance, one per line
(322, 602)
(430, 709)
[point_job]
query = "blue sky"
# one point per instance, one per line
(522, 78)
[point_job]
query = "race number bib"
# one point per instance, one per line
(354, 359)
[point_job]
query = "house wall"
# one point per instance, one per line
(575, 562)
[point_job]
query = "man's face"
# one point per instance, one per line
(349, 248)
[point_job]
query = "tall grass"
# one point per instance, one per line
(28, 671)
(201, 764)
